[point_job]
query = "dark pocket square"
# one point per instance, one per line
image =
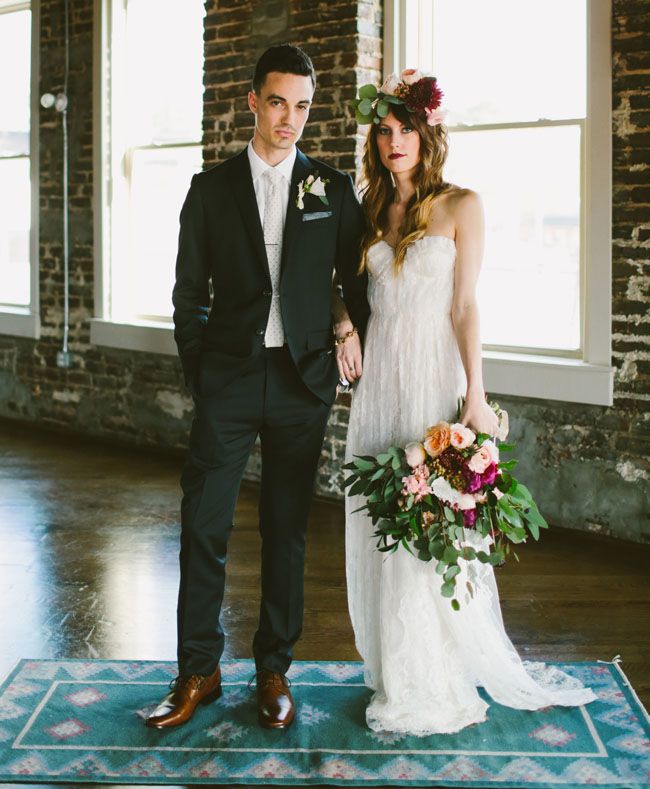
(316, 215)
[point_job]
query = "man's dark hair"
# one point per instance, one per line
(285, 58)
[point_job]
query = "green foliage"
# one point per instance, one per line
(368, 92)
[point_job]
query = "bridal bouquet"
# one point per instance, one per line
(427, 496)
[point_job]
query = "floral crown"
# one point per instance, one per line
(419, 93)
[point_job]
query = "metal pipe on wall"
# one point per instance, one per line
(60, 104)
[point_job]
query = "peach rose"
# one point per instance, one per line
(461, 436)
(390, 84)
(436, 439)
(411, 75)
(480, 460)
(415, 454)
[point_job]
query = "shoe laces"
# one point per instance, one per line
(275, 678)
(193, 682)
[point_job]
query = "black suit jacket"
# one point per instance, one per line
(221, 241)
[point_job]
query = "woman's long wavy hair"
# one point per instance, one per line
(378, 190)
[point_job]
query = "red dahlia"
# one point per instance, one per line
(424, 95)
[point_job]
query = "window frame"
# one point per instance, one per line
(586, 376)
(153, 335)
(25, 321)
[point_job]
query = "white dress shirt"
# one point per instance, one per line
(258, 166)
(274, 334)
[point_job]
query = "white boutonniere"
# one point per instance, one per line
(313, 185)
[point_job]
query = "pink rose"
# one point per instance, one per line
(434, 117)
(415, 454)
(493, 450)
(411, 75)
(480, 460)
(460, 436)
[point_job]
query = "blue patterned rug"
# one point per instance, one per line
(75, 721)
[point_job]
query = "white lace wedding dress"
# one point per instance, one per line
(423, 659)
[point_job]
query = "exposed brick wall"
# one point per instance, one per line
(343, 38)
(588, 465)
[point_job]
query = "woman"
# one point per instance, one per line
(423, 250)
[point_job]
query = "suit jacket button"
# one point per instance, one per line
(260, 332)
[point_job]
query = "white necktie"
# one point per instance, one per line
(273, 227)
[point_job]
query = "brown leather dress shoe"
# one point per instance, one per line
(275, 707)
(186, 694)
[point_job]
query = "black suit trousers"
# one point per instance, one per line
(269, 399)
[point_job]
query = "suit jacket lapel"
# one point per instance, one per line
(293, 221)
(242, 186)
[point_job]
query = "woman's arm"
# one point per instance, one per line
(468, 214)
(348, 353)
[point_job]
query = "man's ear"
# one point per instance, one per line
(252, 101)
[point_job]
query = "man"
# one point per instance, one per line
(268, 228)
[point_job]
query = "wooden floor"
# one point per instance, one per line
(88, 568)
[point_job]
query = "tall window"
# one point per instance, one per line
(153, 127)
(15, 189)
(514, 77)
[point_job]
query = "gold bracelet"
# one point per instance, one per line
(341, 340)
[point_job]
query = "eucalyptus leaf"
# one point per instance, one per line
(382, 108)
(368, 91)
(455, 604)
(448, 589)
(450, 554)
(365, 106)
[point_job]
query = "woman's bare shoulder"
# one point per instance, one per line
(454, 208)
(461, 195)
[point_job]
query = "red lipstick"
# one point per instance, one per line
(396, 155)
